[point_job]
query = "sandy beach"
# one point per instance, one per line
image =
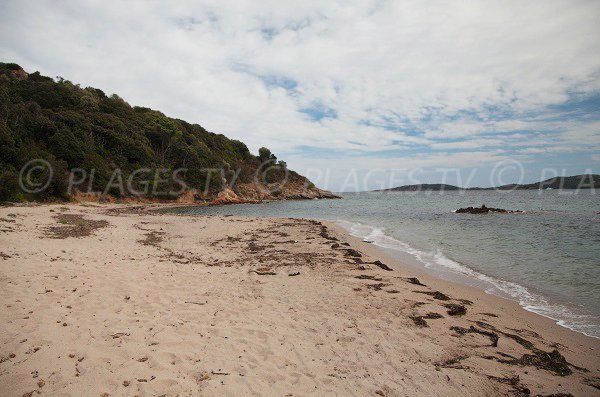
(119, 300)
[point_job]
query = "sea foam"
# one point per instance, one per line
(437, 261)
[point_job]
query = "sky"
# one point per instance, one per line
(356, 95)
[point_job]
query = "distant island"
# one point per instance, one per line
(590, 181)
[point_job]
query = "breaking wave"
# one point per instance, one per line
(564, 316)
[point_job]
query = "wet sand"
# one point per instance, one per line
(113, 300)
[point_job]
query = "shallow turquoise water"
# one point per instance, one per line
(547, 258)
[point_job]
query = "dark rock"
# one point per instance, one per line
(484, 210)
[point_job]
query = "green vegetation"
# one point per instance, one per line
(83, 128)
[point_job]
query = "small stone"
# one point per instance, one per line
(41, 383)
(12, 355)
(125, 383)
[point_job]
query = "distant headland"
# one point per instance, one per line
(589, 181)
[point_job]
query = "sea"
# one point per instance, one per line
(546, 258)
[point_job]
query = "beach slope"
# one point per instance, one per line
(109, 300)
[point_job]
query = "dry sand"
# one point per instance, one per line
(98, 301)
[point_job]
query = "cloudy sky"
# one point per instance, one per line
(357, 95)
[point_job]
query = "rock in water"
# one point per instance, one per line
(484, 210)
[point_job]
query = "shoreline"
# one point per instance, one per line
(104, 299)
(473, 291)
(474, 281)
(480, 281)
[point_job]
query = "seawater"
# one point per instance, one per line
(547, 258)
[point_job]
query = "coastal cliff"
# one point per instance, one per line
(90, 146)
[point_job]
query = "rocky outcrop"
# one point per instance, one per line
(208, 166)
(484, 210)
(20, 74)
(253, 194)
(296, 188)
(187, 197)
(228, 196)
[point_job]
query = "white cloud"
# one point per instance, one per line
(399, 75)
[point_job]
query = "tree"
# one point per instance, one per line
(264, 154)
(75, 127)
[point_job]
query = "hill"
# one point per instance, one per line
(562, 182)
(425, 187)
(108, 142)
(591, 181)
